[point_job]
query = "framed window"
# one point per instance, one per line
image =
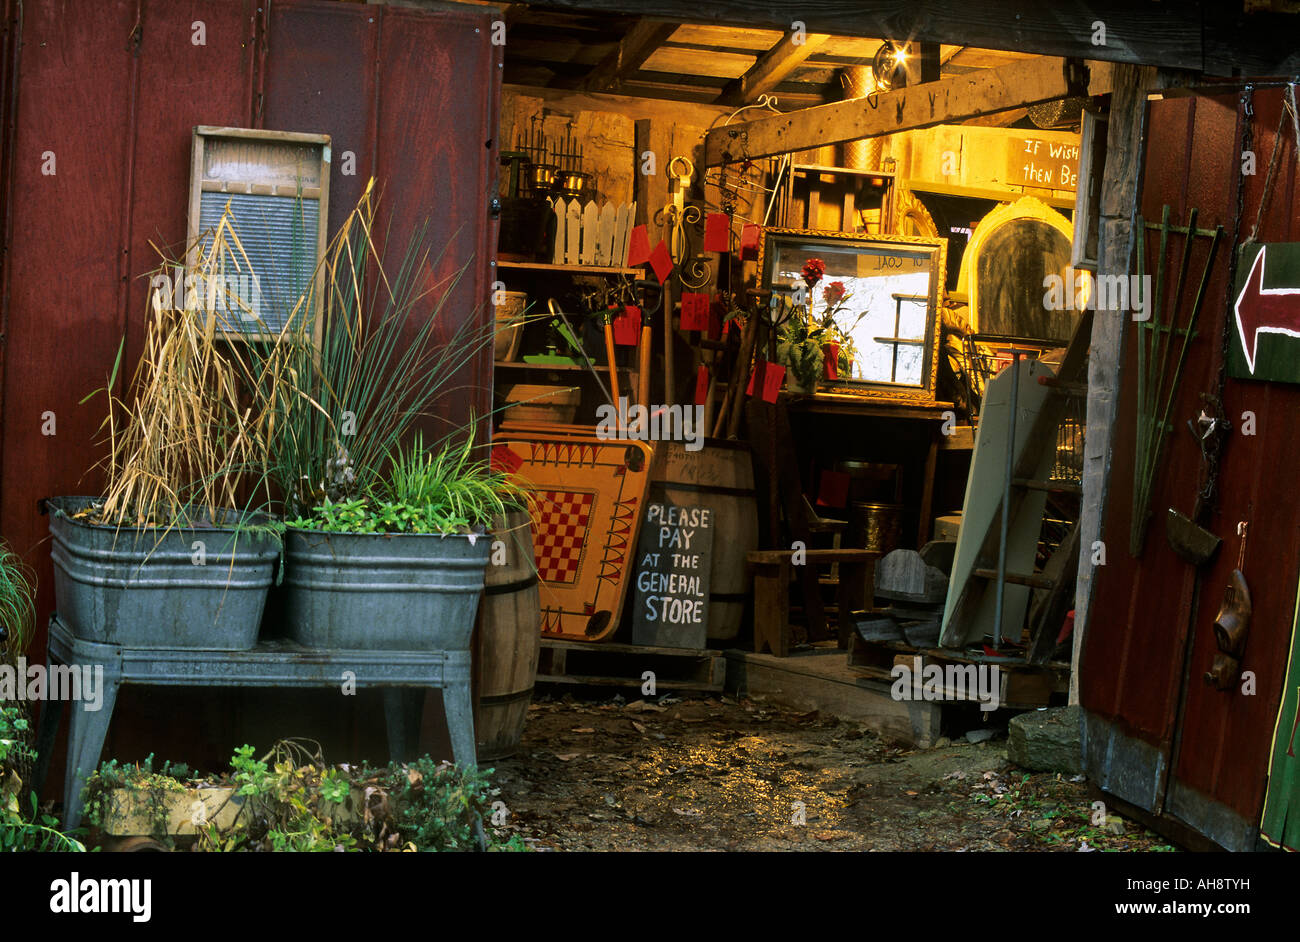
(276, 184)
(892, 289)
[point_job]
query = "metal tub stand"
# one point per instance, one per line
(403, 674)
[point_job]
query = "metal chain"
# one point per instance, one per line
(1214, 446)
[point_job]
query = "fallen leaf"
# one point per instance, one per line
(640, 728)
(831, 835)
(583, 729)
(565, 757)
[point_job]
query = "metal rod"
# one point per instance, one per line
(1006, 501)
(1182, 352)
(1141, 379)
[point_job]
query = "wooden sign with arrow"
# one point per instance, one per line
(1266, 314)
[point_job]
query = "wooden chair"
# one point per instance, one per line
(772, 571)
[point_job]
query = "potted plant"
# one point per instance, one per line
(382, 538)
(799, 336)
(814, 347)
(401, 567)
(175, 553)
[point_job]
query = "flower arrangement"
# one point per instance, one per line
(803, 341)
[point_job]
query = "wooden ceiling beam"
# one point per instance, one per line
(633, 50)
(771, 68)
(1171, 33)
(953, 99)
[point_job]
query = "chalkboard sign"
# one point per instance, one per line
(1005, 271)
(673, 558)
(1013, 262)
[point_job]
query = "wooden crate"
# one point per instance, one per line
(624, 665)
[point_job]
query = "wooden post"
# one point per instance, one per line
(1120, 190)
(642, 193)
(927, 487)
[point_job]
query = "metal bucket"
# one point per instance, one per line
(382, 591)
(132, 588)
(876, 527)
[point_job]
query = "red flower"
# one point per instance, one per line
(833, 293)
(813, 270)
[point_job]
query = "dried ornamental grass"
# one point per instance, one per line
(182, 442)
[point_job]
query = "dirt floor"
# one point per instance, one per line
(714, 773)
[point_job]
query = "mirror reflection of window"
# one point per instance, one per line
(886, 293)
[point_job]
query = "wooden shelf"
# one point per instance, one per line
(601, 370)
(571, 269)
(877, 406)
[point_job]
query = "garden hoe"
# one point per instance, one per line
(1191, 541)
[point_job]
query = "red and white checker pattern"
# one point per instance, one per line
(560, 533)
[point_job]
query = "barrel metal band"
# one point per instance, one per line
(506, 587)
(503, 698)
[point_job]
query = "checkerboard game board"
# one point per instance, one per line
(589, 496)
(560, 534)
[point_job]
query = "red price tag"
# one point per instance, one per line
(834, 489)
(638, 248)
(749, 237)
(627, 327)
(717, 233)
(701, 385)
(773, 375)
(661, 262)
(695, 311)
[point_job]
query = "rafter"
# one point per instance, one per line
(771, 68)
(633, 50)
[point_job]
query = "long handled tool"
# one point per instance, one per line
(652, 298)
(1155, 345)
(670, 379)
(733, 405)
(609, 356)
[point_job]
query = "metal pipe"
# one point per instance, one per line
(1006, 501)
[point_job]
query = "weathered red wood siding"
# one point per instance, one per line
(113, 89)
(1151, 634)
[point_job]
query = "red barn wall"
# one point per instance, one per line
(1159, 736)
(113, 89)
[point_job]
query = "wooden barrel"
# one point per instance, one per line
(720, 476)
(509, 638)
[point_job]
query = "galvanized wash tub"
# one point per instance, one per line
(383, 591)
(140, 589)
